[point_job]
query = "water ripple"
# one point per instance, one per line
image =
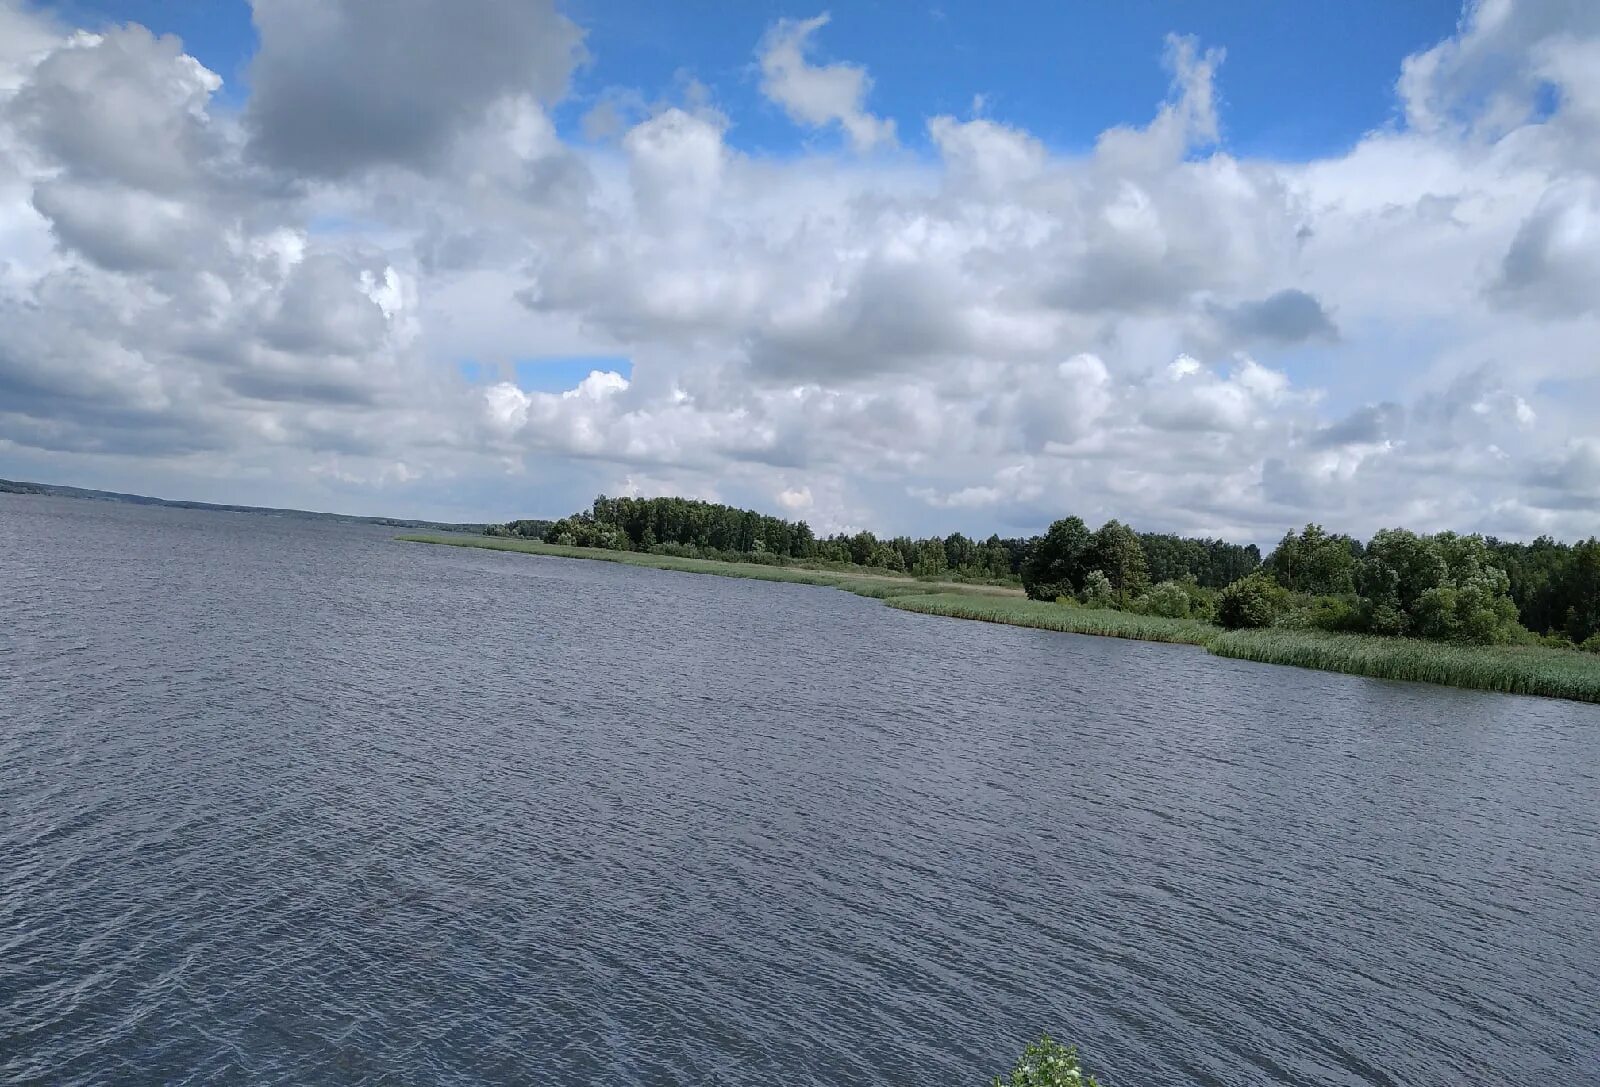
(291, 803)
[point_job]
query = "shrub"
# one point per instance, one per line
(1047, 1063)
(1443, 587)
(1168, 599)
(1202, 600)
(1254, 601)
(1296, 616)
(1326, 612)
(1591, 644)
(1098, 591)
(1049, 590)
(1336, 613)
(1478, 611)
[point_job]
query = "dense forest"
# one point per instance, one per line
(687, 527)
(532, 528)
(1450, 587)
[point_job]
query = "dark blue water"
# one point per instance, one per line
(292, 803)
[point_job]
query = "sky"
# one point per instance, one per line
(1218, 268)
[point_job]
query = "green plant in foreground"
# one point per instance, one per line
(1047, 1063)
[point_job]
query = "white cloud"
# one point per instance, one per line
(984, 338)
(1553, 262)
(818, 95)
(796, 501)
(340, 86)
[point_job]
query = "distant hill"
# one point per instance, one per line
(12, 486)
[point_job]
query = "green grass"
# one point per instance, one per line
(1532, 670)
(862, 583)
(1021, 612)
(1535, 670)
(1515, 669)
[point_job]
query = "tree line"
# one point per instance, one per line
(1445, 586)
(692, 528)
(1462, 588)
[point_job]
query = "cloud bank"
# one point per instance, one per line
(967, 329)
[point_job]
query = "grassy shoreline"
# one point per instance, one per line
(858, 582)
(1508, 669)
(1530, 670)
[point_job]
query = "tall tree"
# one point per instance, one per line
(1116, 551)
(1578, 586)
(1315, 561)
(1055, 567)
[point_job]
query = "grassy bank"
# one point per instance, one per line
(1515, 669)
(860, 582)
(1535, 670)
(1554, 673)
(1022, 612)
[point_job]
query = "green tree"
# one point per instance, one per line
(996, 558)
(1315, 561)
(1578, 587)
(1116, 550)
(1446, 587)
(1398, 567)
(862, 547)
(961, 554)
(1169, 599)
(1047, 1063)
(1055, 567)
(1212, 563)
(1537, 571)
(886, 558)
(1098, 592)
(930, 560)
(1473, 604)
(1254, 601)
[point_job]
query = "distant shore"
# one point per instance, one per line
(1530, 670)
(61, 490)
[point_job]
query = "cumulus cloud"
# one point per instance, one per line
(341, 85)
(818, 95)
(122, 108)
(327, 290)
(1491, 75)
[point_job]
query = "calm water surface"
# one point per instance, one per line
(292, 803)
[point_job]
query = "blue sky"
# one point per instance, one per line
(1218, 268)
(1302, 79)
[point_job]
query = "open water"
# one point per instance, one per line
(291, 803)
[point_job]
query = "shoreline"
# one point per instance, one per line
(1525, 670)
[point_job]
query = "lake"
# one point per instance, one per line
(290, 802)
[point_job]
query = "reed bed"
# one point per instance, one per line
(1531, 670)
(879, 586)
(751, 571)
(1103, 623)
(1554, 673)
